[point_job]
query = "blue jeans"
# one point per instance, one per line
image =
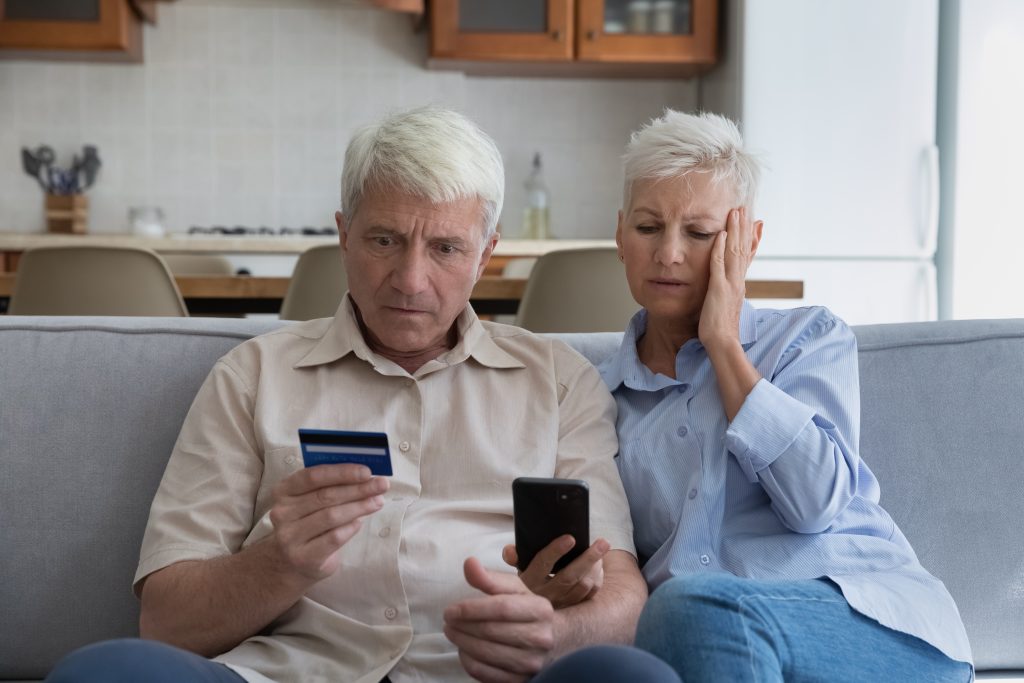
(717, 627)
(132, 660)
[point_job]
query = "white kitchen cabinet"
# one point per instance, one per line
(839, 98)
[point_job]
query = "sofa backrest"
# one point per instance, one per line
(90, 408)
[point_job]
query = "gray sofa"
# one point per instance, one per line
(90, 407)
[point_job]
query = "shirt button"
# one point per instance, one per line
(410, 382)
(290, 460)
(390, 613)
(682, 431)
(692, 494)
(404, 446)
(385, 532)
(704, 559)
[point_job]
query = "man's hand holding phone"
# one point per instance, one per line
(578, 581)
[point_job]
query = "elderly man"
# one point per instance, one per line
(284, 573)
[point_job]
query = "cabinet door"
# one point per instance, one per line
(662, 31)
(538, 30)
(52, 27)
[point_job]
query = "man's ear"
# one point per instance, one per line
(485, 257)
(339, 218)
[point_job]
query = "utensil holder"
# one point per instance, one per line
(68, 213)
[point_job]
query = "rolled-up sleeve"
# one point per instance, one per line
(798, 429)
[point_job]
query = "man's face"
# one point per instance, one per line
(411, 266)
(665, 237)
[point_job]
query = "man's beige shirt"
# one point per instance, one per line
(502, 404)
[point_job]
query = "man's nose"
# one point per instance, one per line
(410, 274)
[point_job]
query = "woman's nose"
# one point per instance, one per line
(670, 251)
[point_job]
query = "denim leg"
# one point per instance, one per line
(718, 627)
(131, 660)
(607, 664)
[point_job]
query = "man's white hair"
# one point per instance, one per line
(677, 144)
(430, 152)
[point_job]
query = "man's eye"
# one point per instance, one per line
(383, 241)
(446, 248)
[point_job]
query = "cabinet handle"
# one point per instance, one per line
(591, 35)
(556, 35)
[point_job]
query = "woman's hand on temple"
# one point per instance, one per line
(731, 255)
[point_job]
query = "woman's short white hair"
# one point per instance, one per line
(677, 144)
(430, 152)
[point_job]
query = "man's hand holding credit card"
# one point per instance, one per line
(331, 447)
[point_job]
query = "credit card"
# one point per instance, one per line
(329, 447)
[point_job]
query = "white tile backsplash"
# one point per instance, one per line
(242, 109)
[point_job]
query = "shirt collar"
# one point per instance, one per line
(625, 367)
(343, 337)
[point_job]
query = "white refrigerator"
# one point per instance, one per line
(839, 99)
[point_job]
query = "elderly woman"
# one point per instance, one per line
(756, 522)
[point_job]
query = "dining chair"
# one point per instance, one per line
(577, 290)
(198, 264)
(317, 285)
(91, 280)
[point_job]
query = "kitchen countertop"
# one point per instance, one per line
(190, 244)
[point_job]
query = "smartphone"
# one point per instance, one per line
(543, 510)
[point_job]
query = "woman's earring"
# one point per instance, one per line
(621, 257)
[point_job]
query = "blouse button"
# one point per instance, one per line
(682, 431)
(704, 559)
(692, 494)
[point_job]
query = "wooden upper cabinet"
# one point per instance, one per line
(71, 29)
(651, 31)
(575, 37)
(538, 30)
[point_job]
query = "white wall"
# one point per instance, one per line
(987, 236)
(241, 112)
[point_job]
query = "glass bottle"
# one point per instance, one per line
(535, 215)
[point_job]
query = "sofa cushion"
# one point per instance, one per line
(942, 426)
(89, 411)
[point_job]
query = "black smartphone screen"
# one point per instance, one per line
(545, 509)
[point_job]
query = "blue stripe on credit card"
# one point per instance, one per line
(328, 447)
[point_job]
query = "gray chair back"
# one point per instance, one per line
(577, 290)
(317, 285)
(89, 280)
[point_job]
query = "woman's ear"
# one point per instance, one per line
(756, 237)
(618, 235)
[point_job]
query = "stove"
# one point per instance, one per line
(263, 231)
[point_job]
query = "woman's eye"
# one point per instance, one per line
(647, 229)
(702, 236)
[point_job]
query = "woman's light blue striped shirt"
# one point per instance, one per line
(780, 492)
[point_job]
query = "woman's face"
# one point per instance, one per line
(665, 237)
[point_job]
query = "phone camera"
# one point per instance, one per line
(563, 496)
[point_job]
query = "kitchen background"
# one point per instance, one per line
(240, 112)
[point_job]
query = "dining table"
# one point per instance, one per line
(241, 294)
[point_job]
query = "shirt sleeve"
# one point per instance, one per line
(587, 445)
(203, 507)
(797, 431)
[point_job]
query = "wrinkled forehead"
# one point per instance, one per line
(402, 212)
(694, 192)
